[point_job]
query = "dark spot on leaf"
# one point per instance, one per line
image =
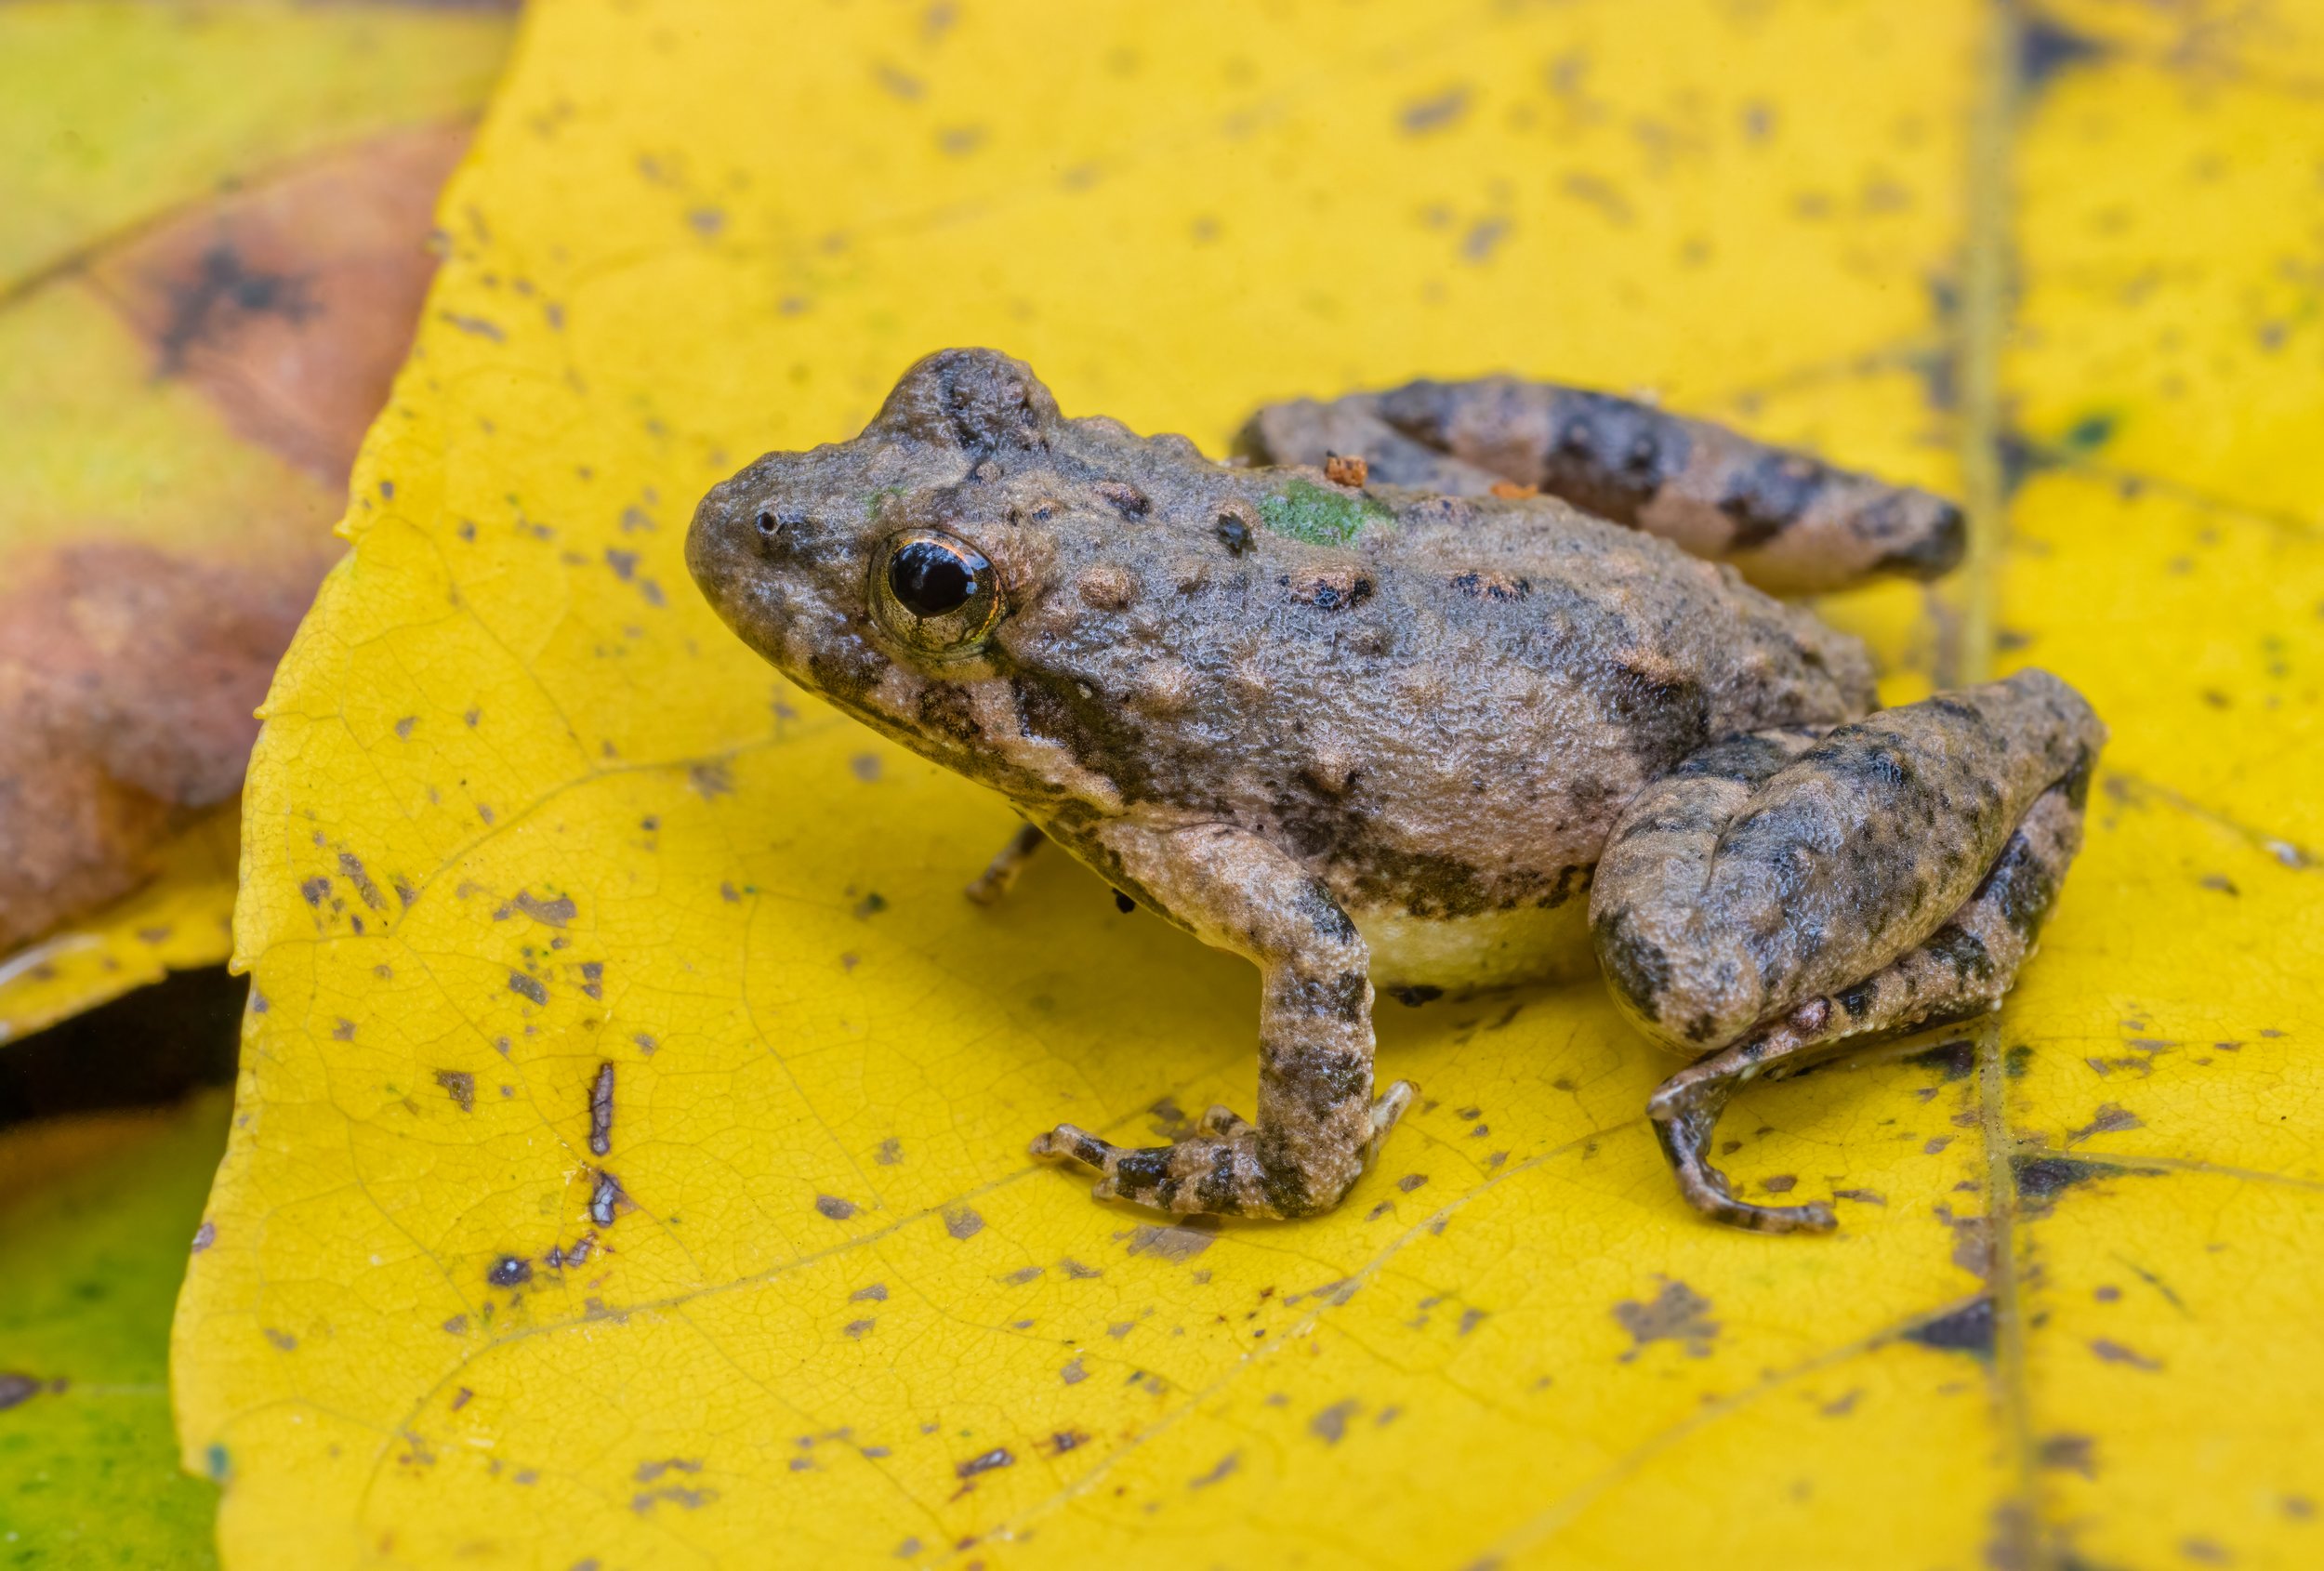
(2043, 1179)
(998, 1457)
(460, 1086)
(962, 1222)
(555, 913)
(1227, 1464)
(1957, 1060)
(1436, 112)
(1966, 1330)
(509, 1271)
(601, 1111)
(2046, 46)
(834, 1208)
(1178, 1243)
(1676, 1314)
(519, 982)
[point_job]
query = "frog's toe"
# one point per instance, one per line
(1221, 1122)
(1391, 1106)
(1684, 1112)
(1070, 1142)
(1131, 1172)
(1386, 1109)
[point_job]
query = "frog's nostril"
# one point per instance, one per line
(766, 524)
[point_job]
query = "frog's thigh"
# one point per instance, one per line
(1317, 1123)
(1892, 873)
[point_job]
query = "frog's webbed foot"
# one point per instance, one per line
(1218, 1170)
(1000, 874)
(1793, 898)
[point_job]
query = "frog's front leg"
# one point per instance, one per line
(1318, 1126)
(1780, 898)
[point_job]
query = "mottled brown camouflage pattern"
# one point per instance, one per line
(1366, 734)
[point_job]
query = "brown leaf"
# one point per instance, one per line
(290, 306)
(128, 681)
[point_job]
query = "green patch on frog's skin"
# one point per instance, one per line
(1306, 512)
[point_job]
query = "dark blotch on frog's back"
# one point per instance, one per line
(1666, 720)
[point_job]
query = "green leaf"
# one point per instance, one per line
(93, 1238)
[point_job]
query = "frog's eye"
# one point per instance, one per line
(935, 591)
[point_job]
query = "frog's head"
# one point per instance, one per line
(890, 572)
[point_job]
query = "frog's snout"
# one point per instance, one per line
(711, 556)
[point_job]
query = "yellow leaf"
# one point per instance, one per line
(182, 919)
(530, 835)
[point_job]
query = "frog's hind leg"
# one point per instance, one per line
(1791, 523)
(1963, 969)
(1781, 902)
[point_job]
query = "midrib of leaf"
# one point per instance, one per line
(1983, 322)
(1987, 263)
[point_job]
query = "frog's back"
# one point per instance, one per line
(1439, 702)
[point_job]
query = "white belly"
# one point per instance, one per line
(1462, 954)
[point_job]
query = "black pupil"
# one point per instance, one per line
(929, 580)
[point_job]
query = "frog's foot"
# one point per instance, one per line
(1779, 895)
(1215, 1172)
(1685, 1110)
(1000, 874)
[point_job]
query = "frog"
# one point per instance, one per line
(1420, 692)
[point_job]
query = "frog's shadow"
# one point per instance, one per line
(1155, 1018)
